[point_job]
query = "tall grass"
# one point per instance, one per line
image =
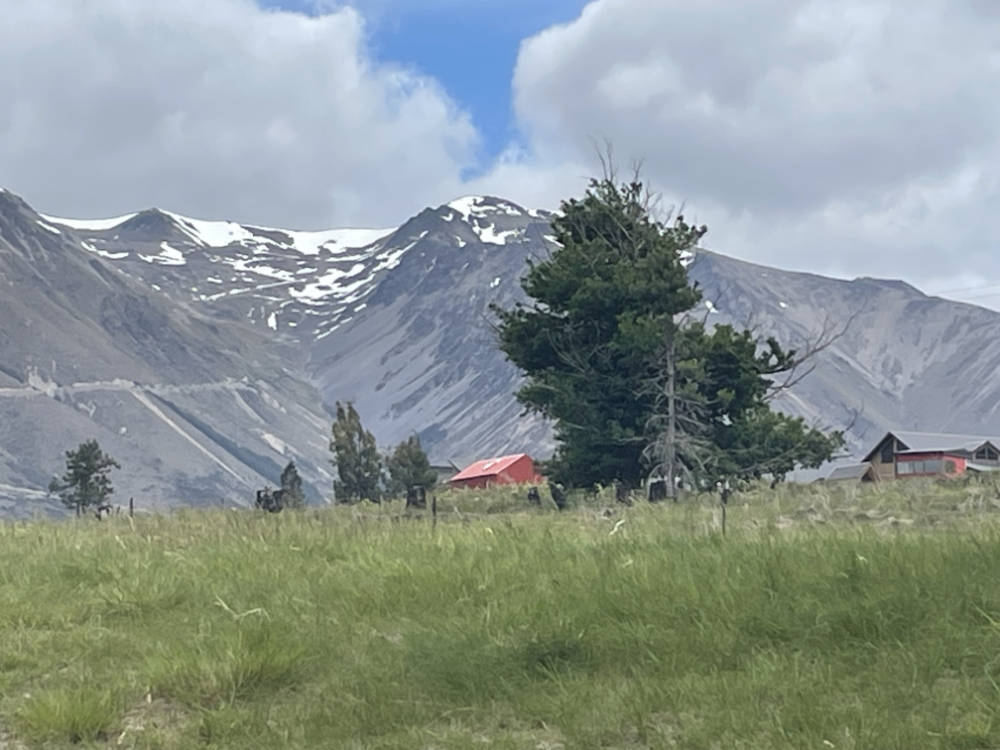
(827, 617)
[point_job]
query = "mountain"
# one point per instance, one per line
(396, 320)
(905, 360)
(205, 354)
(199, 409)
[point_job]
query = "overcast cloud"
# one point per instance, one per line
(859, 138)
(219, 109)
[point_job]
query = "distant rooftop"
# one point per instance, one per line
(923, 442)
(851, 471)
(488, 467)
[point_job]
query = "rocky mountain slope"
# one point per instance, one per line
(905, 360)
(201, 353)
(395, 320)
(197, 409)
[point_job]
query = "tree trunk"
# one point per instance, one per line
(670, 459)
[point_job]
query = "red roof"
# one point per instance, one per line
(488, 467)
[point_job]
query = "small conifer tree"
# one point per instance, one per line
(86, 481)
(409, 466)
(291, 485)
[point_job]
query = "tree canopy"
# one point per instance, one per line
(608, 316)
(291, 485)
(355, 457)
(409, 466)
(87, 480)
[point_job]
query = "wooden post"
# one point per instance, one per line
(131, 507)
(671, 394)
(416, 497)
(434, 511)
(724, 501)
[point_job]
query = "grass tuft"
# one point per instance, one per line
(242, 662)
(73, 715)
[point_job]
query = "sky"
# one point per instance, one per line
(858, 138)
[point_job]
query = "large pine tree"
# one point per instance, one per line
(605, 317)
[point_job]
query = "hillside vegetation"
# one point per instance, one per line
(825, 618)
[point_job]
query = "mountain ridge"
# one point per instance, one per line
(205, 330)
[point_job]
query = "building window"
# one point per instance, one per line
(928, 466)
(986, 453)
(950, 467)
(888, 452)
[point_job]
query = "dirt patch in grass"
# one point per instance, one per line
(152, 717)
(8, 741)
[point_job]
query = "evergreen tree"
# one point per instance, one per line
(409, 466)
(356, 458)
(86, 481)
(606, 320)
(291, 485)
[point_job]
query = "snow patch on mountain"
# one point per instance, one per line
(171, 255)
(220, 234)
(48, 227)
(211, 233)
(274, 443)
(327, 285)
(311, 243)
(89, 225)
(103, 253)
(484, 215)
(478, 206)
(490, 236)
(168, 256)
(467, 206)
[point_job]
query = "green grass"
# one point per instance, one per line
(826, 617)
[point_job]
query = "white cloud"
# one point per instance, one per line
(859, 137)
(218, 109)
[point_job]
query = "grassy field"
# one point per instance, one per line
(827, 617)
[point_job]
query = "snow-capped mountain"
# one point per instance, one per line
(302, 279)
(205, 354)
(435, 276)
(197, 408)
(303, 284)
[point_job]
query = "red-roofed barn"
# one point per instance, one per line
(516, 469)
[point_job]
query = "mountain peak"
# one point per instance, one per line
(481, 206)
(494, 221)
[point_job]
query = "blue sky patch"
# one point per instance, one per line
(469, 46)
